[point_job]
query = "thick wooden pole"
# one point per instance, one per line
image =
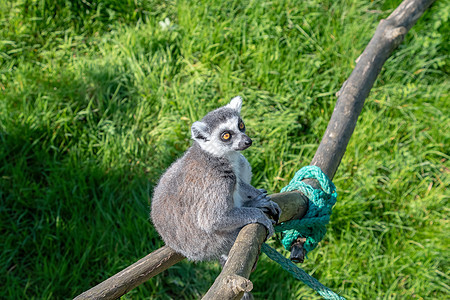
(351, 97)
(233, 280)
(389, 34)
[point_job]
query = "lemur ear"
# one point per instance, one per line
(235, 103)
(199, 131)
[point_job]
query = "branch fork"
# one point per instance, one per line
(233, 280)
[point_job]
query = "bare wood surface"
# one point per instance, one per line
(294, 205)
(388, 35)
(245, 249)
(134, 275)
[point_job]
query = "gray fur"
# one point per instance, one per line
(205, 197)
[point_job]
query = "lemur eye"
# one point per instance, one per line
(241, 126)
(225, 136)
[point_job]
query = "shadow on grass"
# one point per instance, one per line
(75, 208)
(67, 222)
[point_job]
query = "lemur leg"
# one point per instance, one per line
(253, 197)
(237, 218)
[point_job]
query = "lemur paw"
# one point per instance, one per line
(269, 226)
(260, 197)
(272, 210)
(266, 205)
(269, 207)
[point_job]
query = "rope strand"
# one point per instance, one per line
(311, 226)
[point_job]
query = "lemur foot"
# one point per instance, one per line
(268, 223)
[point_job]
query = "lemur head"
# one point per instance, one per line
(222, 131)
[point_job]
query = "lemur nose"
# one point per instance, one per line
(248, 142)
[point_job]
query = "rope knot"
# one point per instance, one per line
(312, 226)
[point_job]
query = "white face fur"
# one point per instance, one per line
(225, 139)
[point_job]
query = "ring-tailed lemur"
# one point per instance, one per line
(205, 197)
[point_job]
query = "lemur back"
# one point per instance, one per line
(205, 197)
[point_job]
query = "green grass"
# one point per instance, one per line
(96, 100)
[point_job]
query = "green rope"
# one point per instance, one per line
(311, 226)
(299, 274)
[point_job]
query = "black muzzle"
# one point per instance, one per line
(244, 143)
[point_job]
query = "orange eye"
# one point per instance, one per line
(226, 136)
(241, 125)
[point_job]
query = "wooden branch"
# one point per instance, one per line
(389, 34)
(134, 275)
(351, 97)
(245, 249)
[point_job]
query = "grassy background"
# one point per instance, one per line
(96, 100)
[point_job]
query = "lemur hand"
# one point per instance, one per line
(269, 207)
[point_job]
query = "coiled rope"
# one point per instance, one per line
(311, 226)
